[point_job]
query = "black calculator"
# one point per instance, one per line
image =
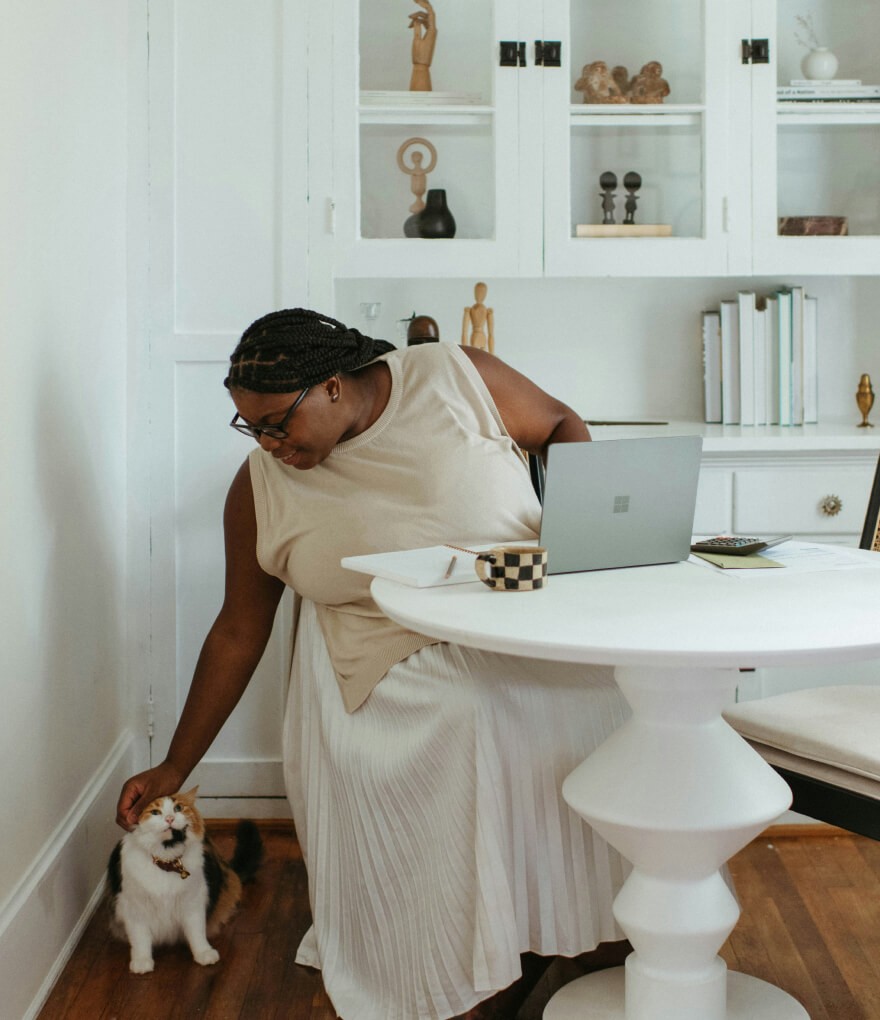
(735, 545)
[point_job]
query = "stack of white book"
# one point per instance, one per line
(760, 359)
(832, 90)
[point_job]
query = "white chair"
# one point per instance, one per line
(825, 742)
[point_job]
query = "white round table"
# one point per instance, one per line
(675, 789)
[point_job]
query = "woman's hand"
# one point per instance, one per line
(163, 780)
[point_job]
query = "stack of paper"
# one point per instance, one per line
(420, 568)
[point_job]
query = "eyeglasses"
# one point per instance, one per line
(272, 431)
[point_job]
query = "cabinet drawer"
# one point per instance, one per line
(790, 500)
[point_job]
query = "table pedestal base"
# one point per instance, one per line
(677, 792)
(600, 997)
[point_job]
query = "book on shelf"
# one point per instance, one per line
(818, 82)
(811, 360)
(760, 359)
(771, 370)
(797, 355)
(835, 91)
(746, 303)
(730, 399)
(784, 355)
(712, 366)
(759, 338)
(867, 102)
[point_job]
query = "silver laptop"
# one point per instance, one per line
(620, 502)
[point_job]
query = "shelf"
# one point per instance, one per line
(404, 107)
(823, 114)
(433, 115)
(831, 436)
(628, 115)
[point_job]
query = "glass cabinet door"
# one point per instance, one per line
(425, 115)
(817, 180)
(636, 123)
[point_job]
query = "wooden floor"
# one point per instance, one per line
(810, 924)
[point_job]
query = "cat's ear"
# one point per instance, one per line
(189, 798)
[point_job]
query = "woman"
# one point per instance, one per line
(423, 778)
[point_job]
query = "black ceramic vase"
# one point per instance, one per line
(435, 220)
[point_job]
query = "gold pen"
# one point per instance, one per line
(450, 567)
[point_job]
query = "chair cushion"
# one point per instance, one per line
(837, 728)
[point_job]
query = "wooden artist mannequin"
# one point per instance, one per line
(481, 321)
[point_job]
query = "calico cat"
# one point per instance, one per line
(167, 880)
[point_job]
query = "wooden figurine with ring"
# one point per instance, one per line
(419, 178)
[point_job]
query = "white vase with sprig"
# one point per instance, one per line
(819, 64)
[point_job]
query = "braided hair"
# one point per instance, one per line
(291, 349)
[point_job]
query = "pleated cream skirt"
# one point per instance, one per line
(437, 842)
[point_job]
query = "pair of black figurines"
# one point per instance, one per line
(608, 182)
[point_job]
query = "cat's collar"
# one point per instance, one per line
(175, 865)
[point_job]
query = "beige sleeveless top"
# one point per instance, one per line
(437, 466)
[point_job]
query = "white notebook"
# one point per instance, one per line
(420, 568)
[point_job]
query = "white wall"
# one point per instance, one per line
(627, 348)
(64, 742)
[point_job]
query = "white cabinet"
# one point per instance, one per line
(520, 154)
(471, 117)
(816, 158)
(822, 498)
(679, 147)
(813, 483)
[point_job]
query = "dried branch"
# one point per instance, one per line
(809, 40)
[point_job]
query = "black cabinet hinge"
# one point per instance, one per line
(513, 54)
(547, 53)
(756, 51)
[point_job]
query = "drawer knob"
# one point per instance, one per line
(831, 506)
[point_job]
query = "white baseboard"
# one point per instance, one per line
(240, 788)
(245, 807)
(43, 919)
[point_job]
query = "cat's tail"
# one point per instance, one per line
(248, 854)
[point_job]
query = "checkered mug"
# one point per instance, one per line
(513, 567)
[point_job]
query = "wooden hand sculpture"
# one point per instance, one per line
(424, 26)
